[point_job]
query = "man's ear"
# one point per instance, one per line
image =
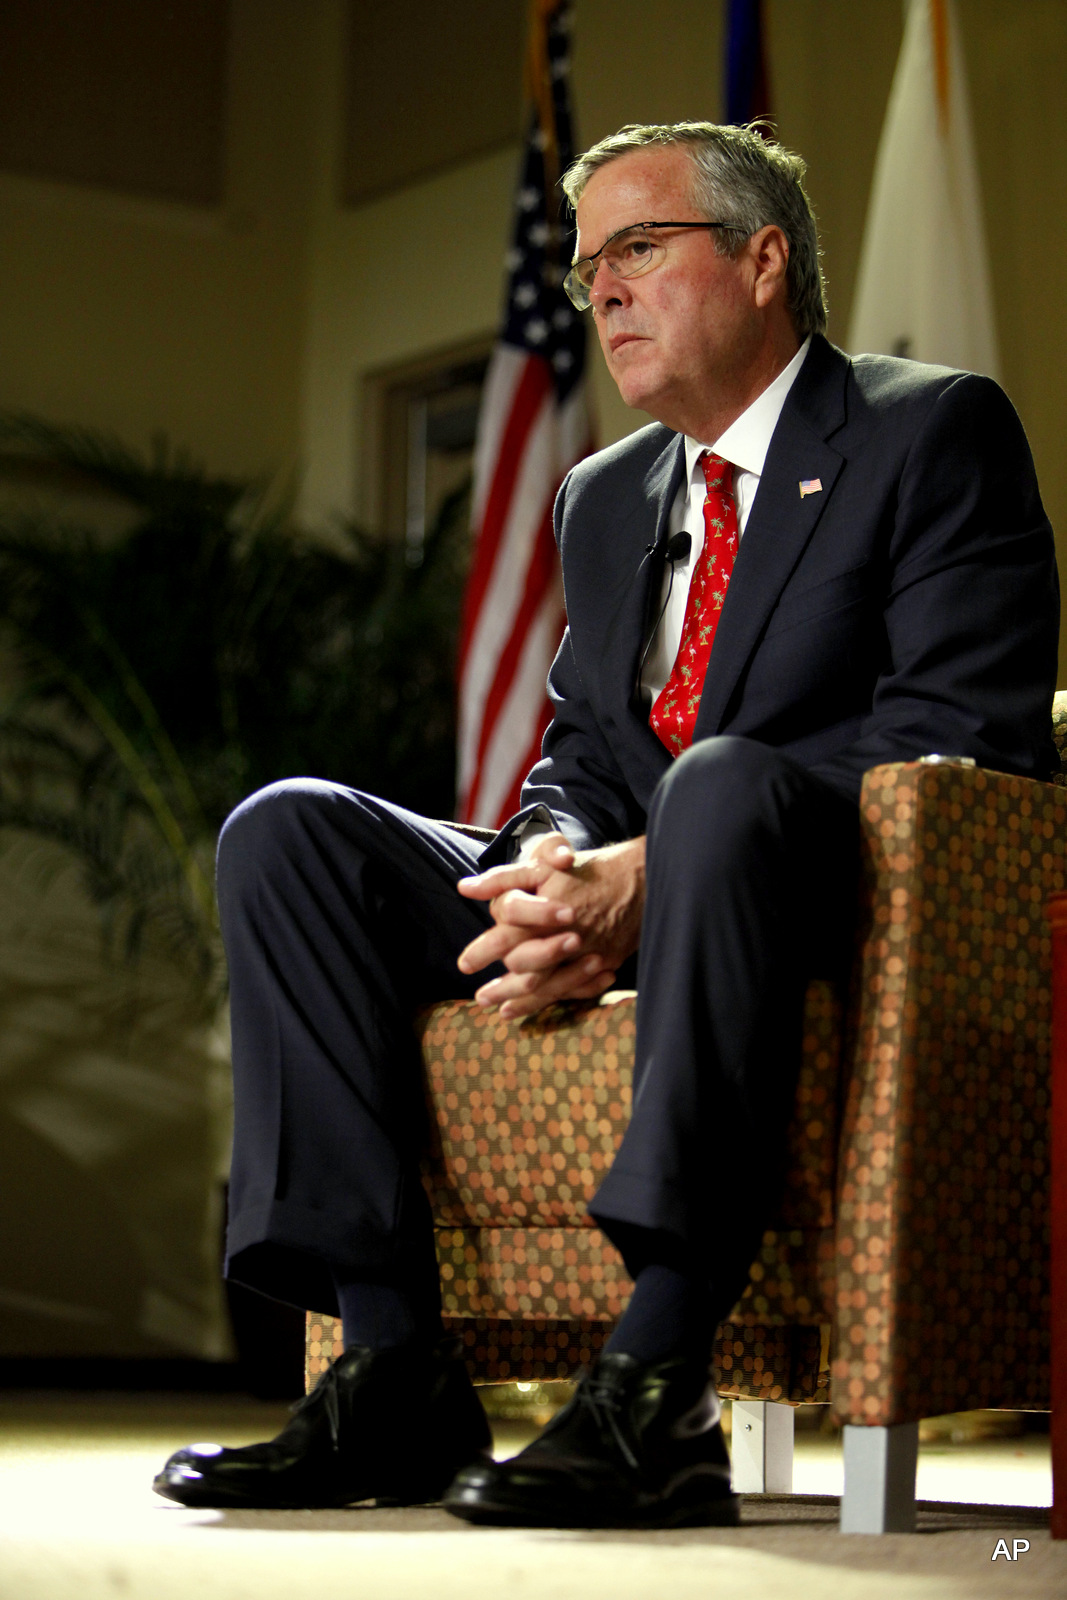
(769, 251)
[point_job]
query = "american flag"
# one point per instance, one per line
(533, 426)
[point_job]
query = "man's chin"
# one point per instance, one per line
(636, 390)
(636, 377)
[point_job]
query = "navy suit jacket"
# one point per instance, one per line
(908, 606)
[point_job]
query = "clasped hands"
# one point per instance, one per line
(564, 921)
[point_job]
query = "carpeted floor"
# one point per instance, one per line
(78, 1521)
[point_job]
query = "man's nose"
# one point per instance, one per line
(606, 289)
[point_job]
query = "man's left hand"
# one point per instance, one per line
(564, 923)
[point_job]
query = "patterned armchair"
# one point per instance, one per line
(907, 1274)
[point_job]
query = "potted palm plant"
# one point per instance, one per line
(158, 662)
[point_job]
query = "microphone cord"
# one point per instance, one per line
(677, 549)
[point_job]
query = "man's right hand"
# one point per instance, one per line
(563, 923)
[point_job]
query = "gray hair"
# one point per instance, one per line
(741, 178)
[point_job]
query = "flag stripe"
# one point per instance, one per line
(511, 801)
(502, 380)
(530, 395)
(507, 759)
(504, 592)
(539, 574)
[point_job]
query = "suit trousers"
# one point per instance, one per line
(340, 918)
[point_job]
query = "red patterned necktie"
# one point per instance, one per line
(675, 713)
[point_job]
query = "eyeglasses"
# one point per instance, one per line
(628, 253)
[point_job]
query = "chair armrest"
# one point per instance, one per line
(942, 1208)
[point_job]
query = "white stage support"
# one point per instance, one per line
(761, 1447)
(880, 1479)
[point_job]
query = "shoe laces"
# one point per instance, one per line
(603, 1397)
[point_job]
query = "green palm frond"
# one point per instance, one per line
(164, 480)
(209, 649)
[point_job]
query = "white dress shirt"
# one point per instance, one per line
(745, 443)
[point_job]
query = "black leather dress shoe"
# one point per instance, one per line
(393, 1426)
(639, 1446)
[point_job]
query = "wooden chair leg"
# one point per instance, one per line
(761, 1447)
(880, 1466)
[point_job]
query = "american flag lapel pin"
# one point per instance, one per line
(810, 486)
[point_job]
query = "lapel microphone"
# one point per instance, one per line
(677, 548)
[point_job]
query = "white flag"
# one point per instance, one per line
(923, 288)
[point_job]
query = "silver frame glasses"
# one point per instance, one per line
(580, 278)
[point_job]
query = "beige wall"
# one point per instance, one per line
(401, 276)
(142, 316)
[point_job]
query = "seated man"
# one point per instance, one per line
(807, 566)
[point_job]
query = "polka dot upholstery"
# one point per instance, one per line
(942, 1224)
(528, 1118)
(750, 1359)
(906, 1274)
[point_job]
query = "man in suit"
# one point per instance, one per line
(868, 577)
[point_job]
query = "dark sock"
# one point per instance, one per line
(382, 1316)
(669, 1314)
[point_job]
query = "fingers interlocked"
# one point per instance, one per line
(533, 934)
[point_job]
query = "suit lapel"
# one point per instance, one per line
(779, 525)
